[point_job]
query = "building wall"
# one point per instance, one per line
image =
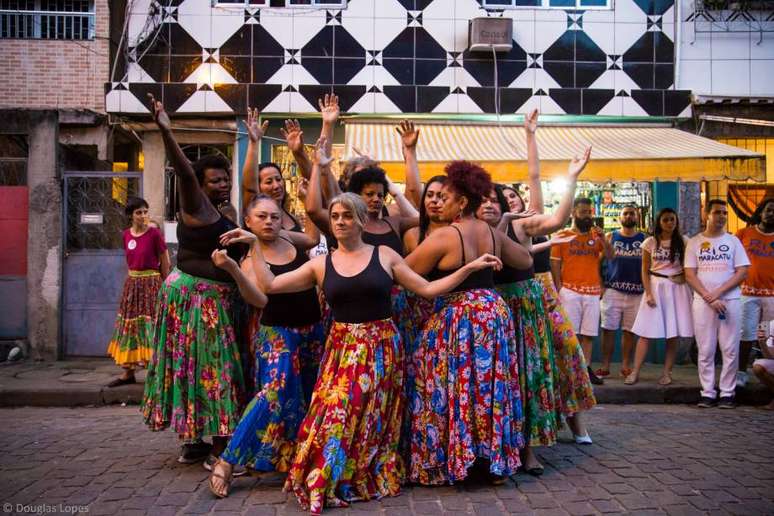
(57, 74)
(383, 56)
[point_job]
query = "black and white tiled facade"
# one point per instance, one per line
(387, 56)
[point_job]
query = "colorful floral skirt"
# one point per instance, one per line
(348, 443)
(194, 382)
(287, 363)
(467, 400)
(572, 378)
(537, 368)
(131, 343)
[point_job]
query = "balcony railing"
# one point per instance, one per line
(22, 24)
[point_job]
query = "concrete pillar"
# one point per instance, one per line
(690, 208)
(44, 240)
(153, 173)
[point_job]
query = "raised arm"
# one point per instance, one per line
(255, 132)
(554, 240)
(513, 254)
(311, 236)
(430, 251)
(294, 137)
(409, 137)
(314, 206)
(409, 216)
(297, 280)
(247, 287)
(533, 162)
(329, 109)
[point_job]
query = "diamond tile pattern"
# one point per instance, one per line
(401, 55)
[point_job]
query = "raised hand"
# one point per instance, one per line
(321, 157)
(578, 164)
(519, 215)
(392, 189)
(408, 133)
(159, 114)
(237, 235)
(302, 188)
(562, 238)
(255, 130)
(486, 261)
(293, 135)
(222, 260)
(329, 108)
(531, 121)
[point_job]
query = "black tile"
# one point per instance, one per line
(348, 95)
(404, 97)
(181, 67)
(402, 45)
(344, 45)
(511, 99)
(344, 69)
(483, 97)
(561, 72)
(428, 69)
(321, 68)
(586, 49)
(260, 95)
(176, 93)
(141, 90)
(426, 46)
(401, 69)
(483, 70)
(240, 44)
(640, 73)
(654, 7)
(563, 49)
(264, 43)
(313, 93)
(159, 45)
(675, 101)
(664, 48)
(594, 100)
(238, 67)
(428, 97)
(182, 43)
(157, 66)
(652, 101)
(235, 95)
(641, 51)
(265, 67)
(587, 73)
(421, 4)
(569, 99)
(665, 75)
(407, 4)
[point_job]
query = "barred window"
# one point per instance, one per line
(47, 19)
(13, 160)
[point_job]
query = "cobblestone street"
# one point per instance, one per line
(646, 459)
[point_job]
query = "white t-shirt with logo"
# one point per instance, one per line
(715, 260)
(659, 258)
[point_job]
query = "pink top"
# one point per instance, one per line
(142, 252)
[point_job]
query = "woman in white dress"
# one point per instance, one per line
(665, 309)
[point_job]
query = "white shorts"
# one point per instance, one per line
(583, 311)
(755, 310)
(619, 309)
(671, 317)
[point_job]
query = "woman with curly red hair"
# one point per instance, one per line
(466, 407)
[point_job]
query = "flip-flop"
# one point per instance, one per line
(227, 481)
(665, 380)
(625, 372)
(631, 379)
(121, 381)
(536, 471)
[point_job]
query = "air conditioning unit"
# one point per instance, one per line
(484, 34)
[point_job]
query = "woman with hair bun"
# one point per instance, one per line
(466, 408)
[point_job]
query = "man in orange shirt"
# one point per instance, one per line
(575, 269)
(758, 288)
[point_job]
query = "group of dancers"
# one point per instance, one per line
(427, 345)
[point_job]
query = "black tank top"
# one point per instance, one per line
(296, 225)
(295, 309)
(478, 279)
(389, 239)
(196, 244)
(360, 298)
(541, 260)
(509, 274)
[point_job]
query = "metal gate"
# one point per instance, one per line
(94, 263)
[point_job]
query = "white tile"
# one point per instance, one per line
(695, 45)
(360, 8)
(730, 77)
(524, 35)
(140, 7)
(113, 101)
(631, 108)
(520, 15)
(280, 104)
(549, 107)
(194, 104)
(546, 33)
(613, 108)
(362, 29)
(448, 105)
(305, 28)
(135, 28)
(532, 103)
(463, 79)
(762, 73)
(225, 26)
(279, 25)
(365, 104)
(627, 34)
(467, 10)
(623, 82)
(696, 76)
(466, 105)
(599, 16)
(389, 28)
(198, 26)
(299, 104)
(382, 77)
(197, 7)
(668, 28)
(550, 15)
(627, 11)
(764, 49)
(383, 104)
(606, 81)
(603, 34)
(443, 31)
(544, 81)
(730, 45)
(526, 79)
(389, 9)
(439, 10)
(460, 35)
(213, 103)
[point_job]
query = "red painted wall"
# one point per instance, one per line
(13, 230)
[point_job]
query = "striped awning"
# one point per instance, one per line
(620, 152)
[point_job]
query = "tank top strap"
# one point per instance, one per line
(462, 243)
(494, 242)
(387, 220)
(374, 261)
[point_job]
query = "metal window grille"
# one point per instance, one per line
(13, 160)
(47, 19)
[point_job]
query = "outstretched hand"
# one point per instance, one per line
(408, 133)
(531, 121)
(236, 236)
(255, 130)
(486, 261)
(159, 114)
(578, 164)
(562, 238)
(222, 260)
(293, 135)
(302, 188)
(329, 108)
(321, 157)
(510, 215)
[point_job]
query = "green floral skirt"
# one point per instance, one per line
(195, 382)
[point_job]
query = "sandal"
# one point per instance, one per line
(631, 379)
(625, 372)
(666, 379)
(226, 480)
(602, 373)
(121, 381)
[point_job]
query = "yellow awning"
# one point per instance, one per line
(620, 152)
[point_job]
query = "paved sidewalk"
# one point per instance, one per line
(646, 459)
(82, 382)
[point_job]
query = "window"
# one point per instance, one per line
(314, 4)
(548, 4)
(47, 19)
(13, 160)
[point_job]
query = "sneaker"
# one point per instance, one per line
(236, 469)
(582, 439)
(602, 373)
(595, 380)
(191, 453)
(727, 402)
(742, 378)
(707, 402)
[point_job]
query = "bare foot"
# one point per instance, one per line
(220, 479)
(530, 462)
(770, 406)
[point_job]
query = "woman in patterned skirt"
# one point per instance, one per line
(467, 402)
(148, 262)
